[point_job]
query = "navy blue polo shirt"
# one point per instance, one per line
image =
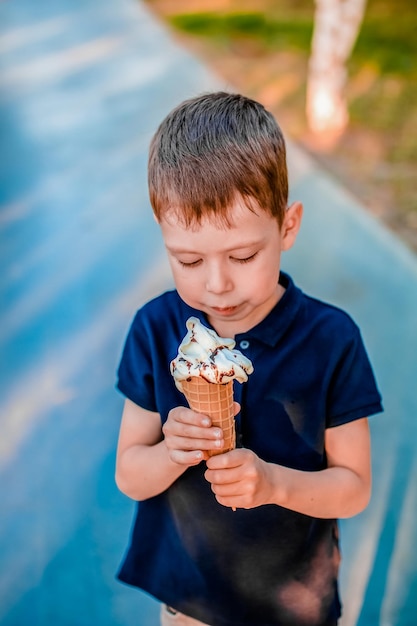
(266, 566)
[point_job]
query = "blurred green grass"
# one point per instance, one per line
(270, 32)
(388, 37)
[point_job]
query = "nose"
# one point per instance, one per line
(218, 280)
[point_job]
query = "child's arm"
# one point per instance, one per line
(150, 458)
(241, 479)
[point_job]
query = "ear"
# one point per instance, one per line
(291, 225)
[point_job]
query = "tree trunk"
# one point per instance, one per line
(336, 26)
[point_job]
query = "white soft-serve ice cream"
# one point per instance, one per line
(204, 354)
(204, 370)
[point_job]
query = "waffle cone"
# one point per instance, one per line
(216, 401)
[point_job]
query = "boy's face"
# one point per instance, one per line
(230, 272)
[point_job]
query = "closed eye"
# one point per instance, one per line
(190, 264)
(246, 259)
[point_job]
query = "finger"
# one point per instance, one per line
(236, 407)
(232, 500)
(183, 422)
(184, 415)
(231, 503)
(189, 458)
(222, 477)
(190, 431)
(174, 442)
(226, 487)
(227, 460)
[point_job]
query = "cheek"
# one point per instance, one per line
(265, 279)
(186, 282)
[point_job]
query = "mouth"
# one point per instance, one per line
(224, 311)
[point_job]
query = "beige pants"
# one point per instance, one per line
(170, 617)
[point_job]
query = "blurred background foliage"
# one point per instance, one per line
(261, 47)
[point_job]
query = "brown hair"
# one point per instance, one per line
(214, 148)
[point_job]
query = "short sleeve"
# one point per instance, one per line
(353, 392)
(135, 377)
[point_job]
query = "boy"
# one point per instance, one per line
(218, 188)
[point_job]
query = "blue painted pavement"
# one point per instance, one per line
(83, 85)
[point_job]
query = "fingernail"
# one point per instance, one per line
(218, 434)
(205, 422)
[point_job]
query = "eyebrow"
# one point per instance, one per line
(242, 246)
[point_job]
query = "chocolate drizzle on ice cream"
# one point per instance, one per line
(204, 354)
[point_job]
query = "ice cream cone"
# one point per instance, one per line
(216, 401)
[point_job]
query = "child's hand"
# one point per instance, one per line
(188, 436)
(240, 479)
